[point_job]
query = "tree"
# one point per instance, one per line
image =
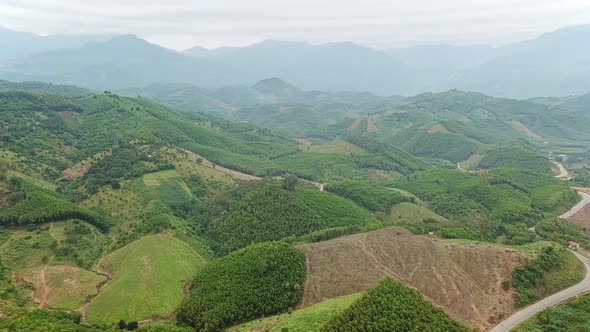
(132, 326)
(290, 182)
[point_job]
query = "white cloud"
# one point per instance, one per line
(378, 23)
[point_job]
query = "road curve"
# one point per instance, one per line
(557, 298)
(563, 173)
(585, 201)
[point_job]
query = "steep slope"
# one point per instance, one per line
(391, 306)
(468, 277)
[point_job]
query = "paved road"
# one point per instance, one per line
(582, 287)
(528, 312)
(585, 201)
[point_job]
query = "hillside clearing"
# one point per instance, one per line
(148, 279)
(412, 214)
(62, 286)
(464, 279)
(303, 320)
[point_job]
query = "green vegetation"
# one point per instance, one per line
(552, 270)
(148, 279)
(38, 205)
(447, 146)
(517, 154)
(391, 306)
(370, 196)
(273, 213)
(124, 162)
(502, 202)
(562, 231)
(259, 280)
(69, 242)
(308, 319)
(573, 315)
(43, 321)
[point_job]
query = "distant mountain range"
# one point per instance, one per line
(555, 64)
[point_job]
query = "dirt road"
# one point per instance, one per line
(563, 173)
(555, 299)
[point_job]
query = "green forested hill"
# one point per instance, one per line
(273, 213)
(84, 175)
(454, 125)
(68, 130)
(391, 306)
(501, 202)
(259, 280)
(44, 88)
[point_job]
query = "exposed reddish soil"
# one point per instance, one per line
(76, 171)
(464, 279)
(371, 127)
(437, 129)
(355, 124)
(303, 141)
(44, 291)
(523, 129)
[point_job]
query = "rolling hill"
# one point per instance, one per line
(454, 125)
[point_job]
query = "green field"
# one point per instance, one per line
(148, 279)
(303, 320)
(410, 213)
(167, 187)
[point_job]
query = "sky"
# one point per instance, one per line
(181, 24)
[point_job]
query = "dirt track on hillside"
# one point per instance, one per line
(464, 279)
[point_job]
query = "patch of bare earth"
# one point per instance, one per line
(523, 129)
(437, 129)
(232, 173)
(371, 126)
(355, 124)
(47, 295)
(464, 279)
(76, 171)
(582, 217)
(80, 168)
(303, 141)
(379, 175)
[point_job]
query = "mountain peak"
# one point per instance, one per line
(274, 84)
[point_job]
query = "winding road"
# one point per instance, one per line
(555, 299)
(566, 294)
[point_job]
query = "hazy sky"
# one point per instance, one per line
(180, 24)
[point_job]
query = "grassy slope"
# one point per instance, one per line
(303, 320)
(570, 273)
(68, 286)
(468, 275)
(148, 279)
(412, 213)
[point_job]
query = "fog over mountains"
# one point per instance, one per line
(556, 63)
